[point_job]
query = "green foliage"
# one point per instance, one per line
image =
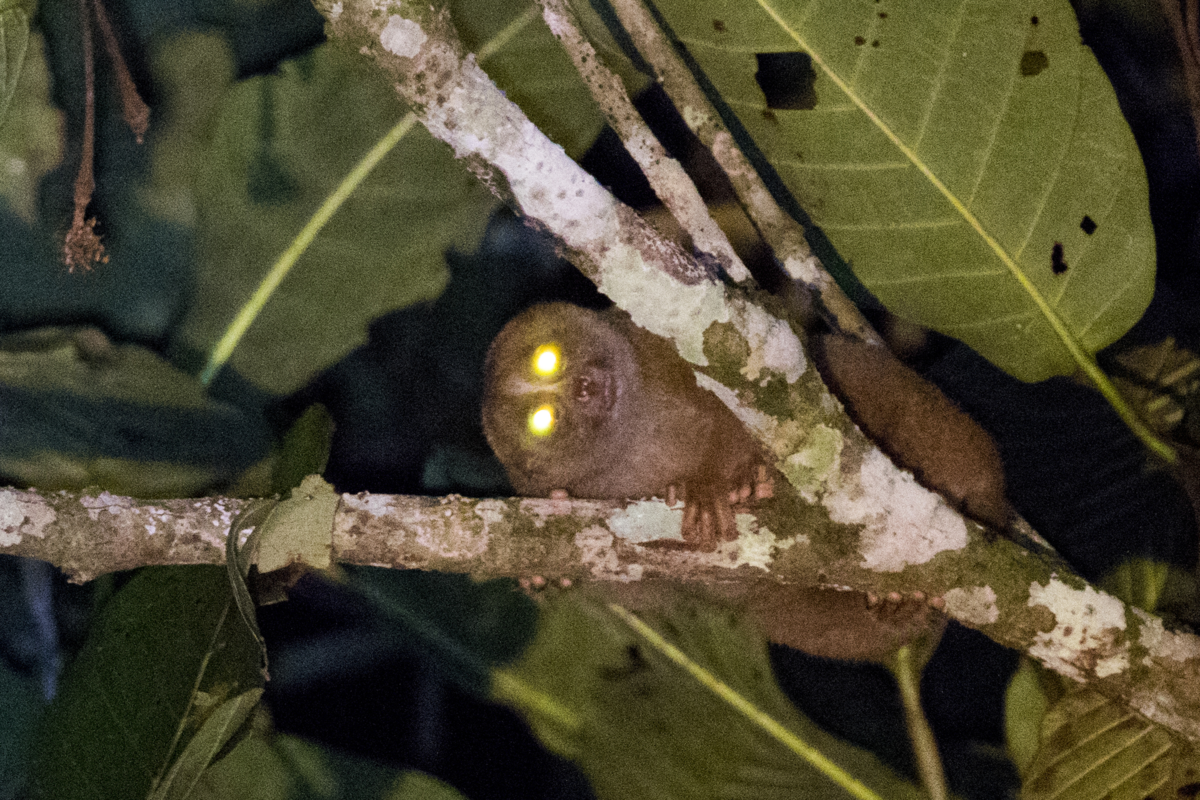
(14, 39)
(168, 653)
(641, 727)
(140, 426)
(222, 722)
(946, 161)
(305, 449)
(1073, 743)
(300, 529)
(1095, 747)
(30, 130)
(247, 162)
(463, 628)
(419, 786)
(20, 705)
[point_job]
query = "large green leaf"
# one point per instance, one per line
(167, 653)
(1094, 747)
(31, 139)
(946, 148)
(83, 411)
(248, 162)
(14, 39)
(640, 726)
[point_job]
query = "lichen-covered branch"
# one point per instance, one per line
(666, 175)
(1021, 600)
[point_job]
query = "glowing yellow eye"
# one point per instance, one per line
(545, 360)
(541, 422)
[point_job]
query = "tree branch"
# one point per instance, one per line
(1019, 599)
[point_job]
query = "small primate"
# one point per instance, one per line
(588, 403)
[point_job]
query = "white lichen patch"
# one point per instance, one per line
(757, 546)
(1162, 643)
(20, 517)
(377, 505)
(113, 504)
(774, 346)
(806, 270)
(646, 521)
(402, 36)
(974, 605)
(597, 552)
(1088, 631)
(156, 516)
(905, 523)
(659, 303)
(695, 117)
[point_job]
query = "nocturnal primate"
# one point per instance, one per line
(586, 402)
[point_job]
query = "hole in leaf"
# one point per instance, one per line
(860, 41)
(786, 80)
(1033, 20)
(1057, 263)
(875, 43)
(719, 26)
(1088, 225)
(1033, 62)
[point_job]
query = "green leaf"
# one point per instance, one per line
(522, 56)
(14, 39)
(1025, 704)
(167, 651)
(946, 148)
(31, 132)
(138, 425)
(247, 163)
(414, 785)
(305, 449)
(1094, 747)
(300, 529)
(253, 770)
(640, 726)
(216, 731)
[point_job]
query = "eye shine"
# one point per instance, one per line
(546, 360)
(587, 403)
(541, 421)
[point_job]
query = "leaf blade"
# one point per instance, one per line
(945, 160)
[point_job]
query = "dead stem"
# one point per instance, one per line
(133, 108)
(81, 246)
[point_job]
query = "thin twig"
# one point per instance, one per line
(666, 175)
(1187, 40)
(781, 233)
(81, 246)
(133, 108)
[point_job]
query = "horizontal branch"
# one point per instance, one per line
(1020, 599)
